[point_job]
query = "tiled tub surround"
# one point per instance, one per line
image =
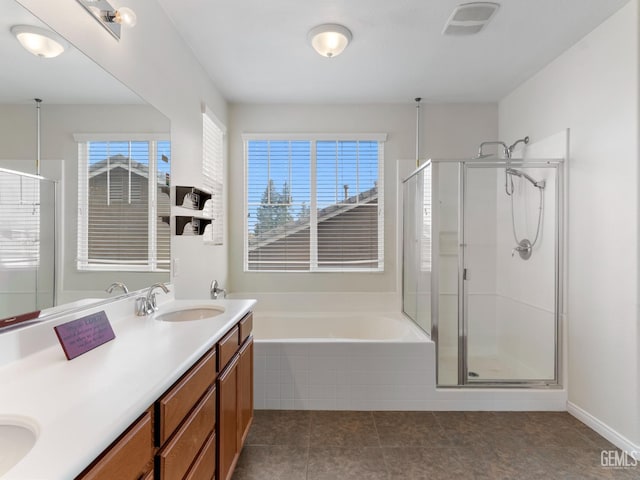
(81, 406)
(341, 361)
(321, 445)
(302, 367)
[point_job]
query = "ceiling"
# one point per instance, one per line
(71, 78)
(256, 51)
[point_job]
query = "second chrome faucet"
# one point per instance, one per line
(148, 305)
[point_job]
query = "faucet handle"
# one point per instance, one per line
(215, 290)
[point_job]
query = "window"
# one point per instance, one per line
(123, 204)
(314, 204)
(213, 174)
(19, 220)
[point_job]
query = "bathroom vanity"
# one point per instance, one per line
(210, 405)
(164, 400)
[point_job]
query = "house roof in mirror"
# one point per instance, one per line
(71, 78)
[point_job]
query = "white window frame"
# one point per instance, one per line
(82, 261)
(313, 139)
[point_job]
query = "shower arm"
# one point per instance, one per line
(505, 148)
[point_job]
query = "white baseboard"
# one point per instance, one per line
(605, 430)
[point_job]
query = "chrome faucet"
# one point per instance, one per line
(147, 305)
(115, 285)
(215, 290)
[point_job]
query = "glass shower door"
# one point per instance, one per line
(510, 274)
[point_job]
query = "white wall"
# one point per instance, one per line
(154, 61)
(448, 131)
(593, 90)
(58, 124)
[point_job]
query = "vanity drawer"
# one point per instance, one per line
(129, 457)
(205, 465)
(245, 325)
(227, 347)
(179, 453)
(174, 405)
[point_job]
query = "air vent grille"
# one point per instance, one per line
(470, 18)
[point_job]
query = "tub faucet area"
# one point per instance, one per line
(147, 305)
(215, 290)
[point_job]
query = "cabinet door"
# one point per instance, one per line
(129, 458)
(228, 420)
(245, 391)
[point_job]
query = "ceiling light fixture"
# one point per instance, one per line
(330, 39)
(39, 41)
(109, 17)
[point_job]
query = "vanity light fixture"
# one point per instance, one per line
(109, 17)
(39, 41)
(330, 39)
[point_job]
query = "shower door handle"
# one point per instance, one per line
(465, 274)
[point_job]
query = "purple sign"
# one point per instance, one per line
(84, 334)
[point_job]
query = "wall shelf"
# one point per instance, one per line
(197, 227)
(191, 197)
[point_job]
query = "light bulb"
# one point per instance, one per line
(125, 17)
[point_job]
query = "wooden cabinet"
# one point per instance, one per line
(129, 457)
(173, 406)
(186, 420)
(245, 390)
(228, 450)
(196, 430)
(235, 396)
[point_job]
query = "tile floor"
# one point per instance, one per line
(339, 445)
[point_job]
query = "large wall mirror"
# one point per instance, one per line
(101, 213)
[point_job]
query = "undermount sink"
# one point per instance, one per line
(187, 314)
(15, 442)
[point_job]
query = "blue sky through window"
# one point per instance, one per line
(353, 164)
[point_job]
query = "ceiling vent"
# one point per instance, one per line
(470, 18)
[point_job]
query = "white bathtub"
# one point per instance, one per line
(344, 361)
(379, 327)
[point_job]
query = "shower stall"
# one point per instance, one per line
(482, 268)
(27, 242)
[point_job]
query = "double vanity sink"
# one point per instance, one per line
(58, 415)
(189, 314)
(16, 440)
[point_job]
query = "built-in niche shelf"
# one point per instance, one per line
(191, 197)
(192, 211)
(191, 225)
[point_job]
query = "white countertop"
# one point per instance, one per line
(81, 406)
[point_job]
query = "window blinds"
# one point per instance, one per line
(314, 205)
(213, 176)
(123, 205)
(19, 221)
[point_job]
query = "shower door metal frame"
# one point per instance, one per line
(463, 324)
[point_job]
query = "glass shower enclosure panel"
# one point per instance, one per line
(417, 244)
(446, 219)
(509, 277)
(27, 243)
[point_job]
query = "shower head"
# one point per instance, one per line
(519, 173)
(524, 140)
(484, 155)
